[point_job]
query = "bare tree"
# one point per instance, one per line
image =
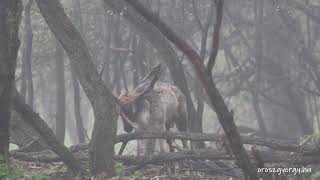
(61, 94)
(10, 16)
(258, 56)
(76, 88)
(27, 82)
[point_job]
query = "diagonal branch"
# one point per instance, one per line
(224, 116)
(102, 100)
(44, 130)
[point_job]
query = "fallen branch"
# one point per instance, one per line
(276, 144)
(44, 130)
(199, 154)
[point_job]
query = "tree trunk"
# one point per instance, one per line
(77, 108)
(204, 28)
(258, 56)
(76, 88)
(135, 60)
(29, 37)
(61, 94)
(101, 99)
(10, 16)
(108, 29)
(27, 83)
(116, 57)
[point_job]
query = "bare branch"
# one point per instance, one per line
(216, 35)
(196, 15)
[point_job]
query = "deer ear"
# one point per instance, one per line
(148, 83)
(155, 72)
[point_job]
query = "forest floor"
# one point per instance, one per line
(58, 171)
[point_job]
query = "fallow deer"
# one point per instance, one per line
(154, 106)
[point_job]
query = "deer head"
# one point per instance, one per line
(129, 102)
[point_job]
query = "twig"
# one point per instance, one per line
(123, 146)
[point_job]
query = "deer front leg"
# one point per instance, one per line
(169, 141)
(171, 168)
(163, 146)
(148, 146)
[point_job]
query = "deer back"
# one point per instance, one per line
(164, 106)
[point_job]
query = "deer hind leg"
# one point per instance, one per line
(181, 124)
(169, 141)
(148, 146)
(170, 166)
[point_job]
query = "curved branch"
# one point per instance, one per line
(224, 116)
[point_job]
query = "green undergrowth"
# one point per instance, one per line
(4, 169)
(19, 172)
(121, 173)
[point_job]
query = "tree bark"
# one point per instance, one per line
(102, 100)
(116, 55)
(108, 29)
(225, 117)
(24, 135)
(10, 17)
(61, 94)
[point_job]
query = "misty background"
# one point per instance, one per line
(267, 64)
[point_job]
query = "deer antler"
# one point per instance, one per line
(156, 70)
(147, 83)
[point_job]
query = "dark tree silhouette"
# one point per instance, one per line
(61, 94)
(10, 17)
(76, 88)
(27, 82)
(102, 100)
